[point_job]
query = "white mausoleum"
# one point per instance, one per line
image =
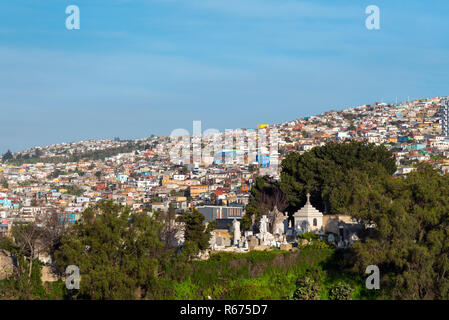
(308, 219)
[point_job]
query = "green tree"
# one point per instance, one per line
(119, 252)
(26, 237)
(38, 153)
(327, 173)
(55, 174)
(196, 234)
(7, 156)
(265, 194)
(252, 168)
(21, 286)
(410, 239)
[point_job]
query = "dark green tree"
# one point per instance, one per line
(410, 239)
(265, 194)
(119, 252)
(7, 156)
(196, 234)
(327, 172)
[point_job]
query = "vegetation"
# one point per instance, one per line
(307, 289)
(55, 174)
(7, 156)
(264, 196)
(117, 251)
(130, 146)
(127, 255)
(328, 174)
(24, 287)
(341, 291)
(24, 282)
(196, 235)
(410, 240)
(73, 190)
(405, 219)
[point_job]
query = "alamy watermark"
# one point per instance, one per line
(372, 22)
(73, 20)
(73, 279)
(373, 281)
(231, 147)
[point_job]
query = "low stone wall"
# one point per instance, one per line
(47, 275)
(6, 264)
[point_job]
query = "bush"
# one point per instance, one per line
(309, 236)
(307, 289)
(341, 291)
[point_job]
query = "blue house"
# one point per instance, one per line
(263, 160)
(6, 203)
(417, 146)
(69, 217)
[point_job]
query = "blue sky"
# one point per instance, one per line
(141, 67)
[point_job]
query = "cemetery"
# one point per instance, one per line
(280, 232)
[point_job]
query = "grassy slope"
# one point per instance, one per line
(264, 275)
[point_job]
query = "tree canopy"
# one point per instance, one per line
(410, 238)
(405, 220)
(196, 234)
(327, 173)
(264, 196)
(119, 253)
(7, 156)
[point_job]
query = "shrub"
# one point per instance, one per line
(309, 236)
(307, 289)
(341, 291)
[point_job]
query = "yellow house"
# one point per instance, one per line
(167, 181)
(195, 191)
(393, 139)
(178, 198)
(261, 126)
